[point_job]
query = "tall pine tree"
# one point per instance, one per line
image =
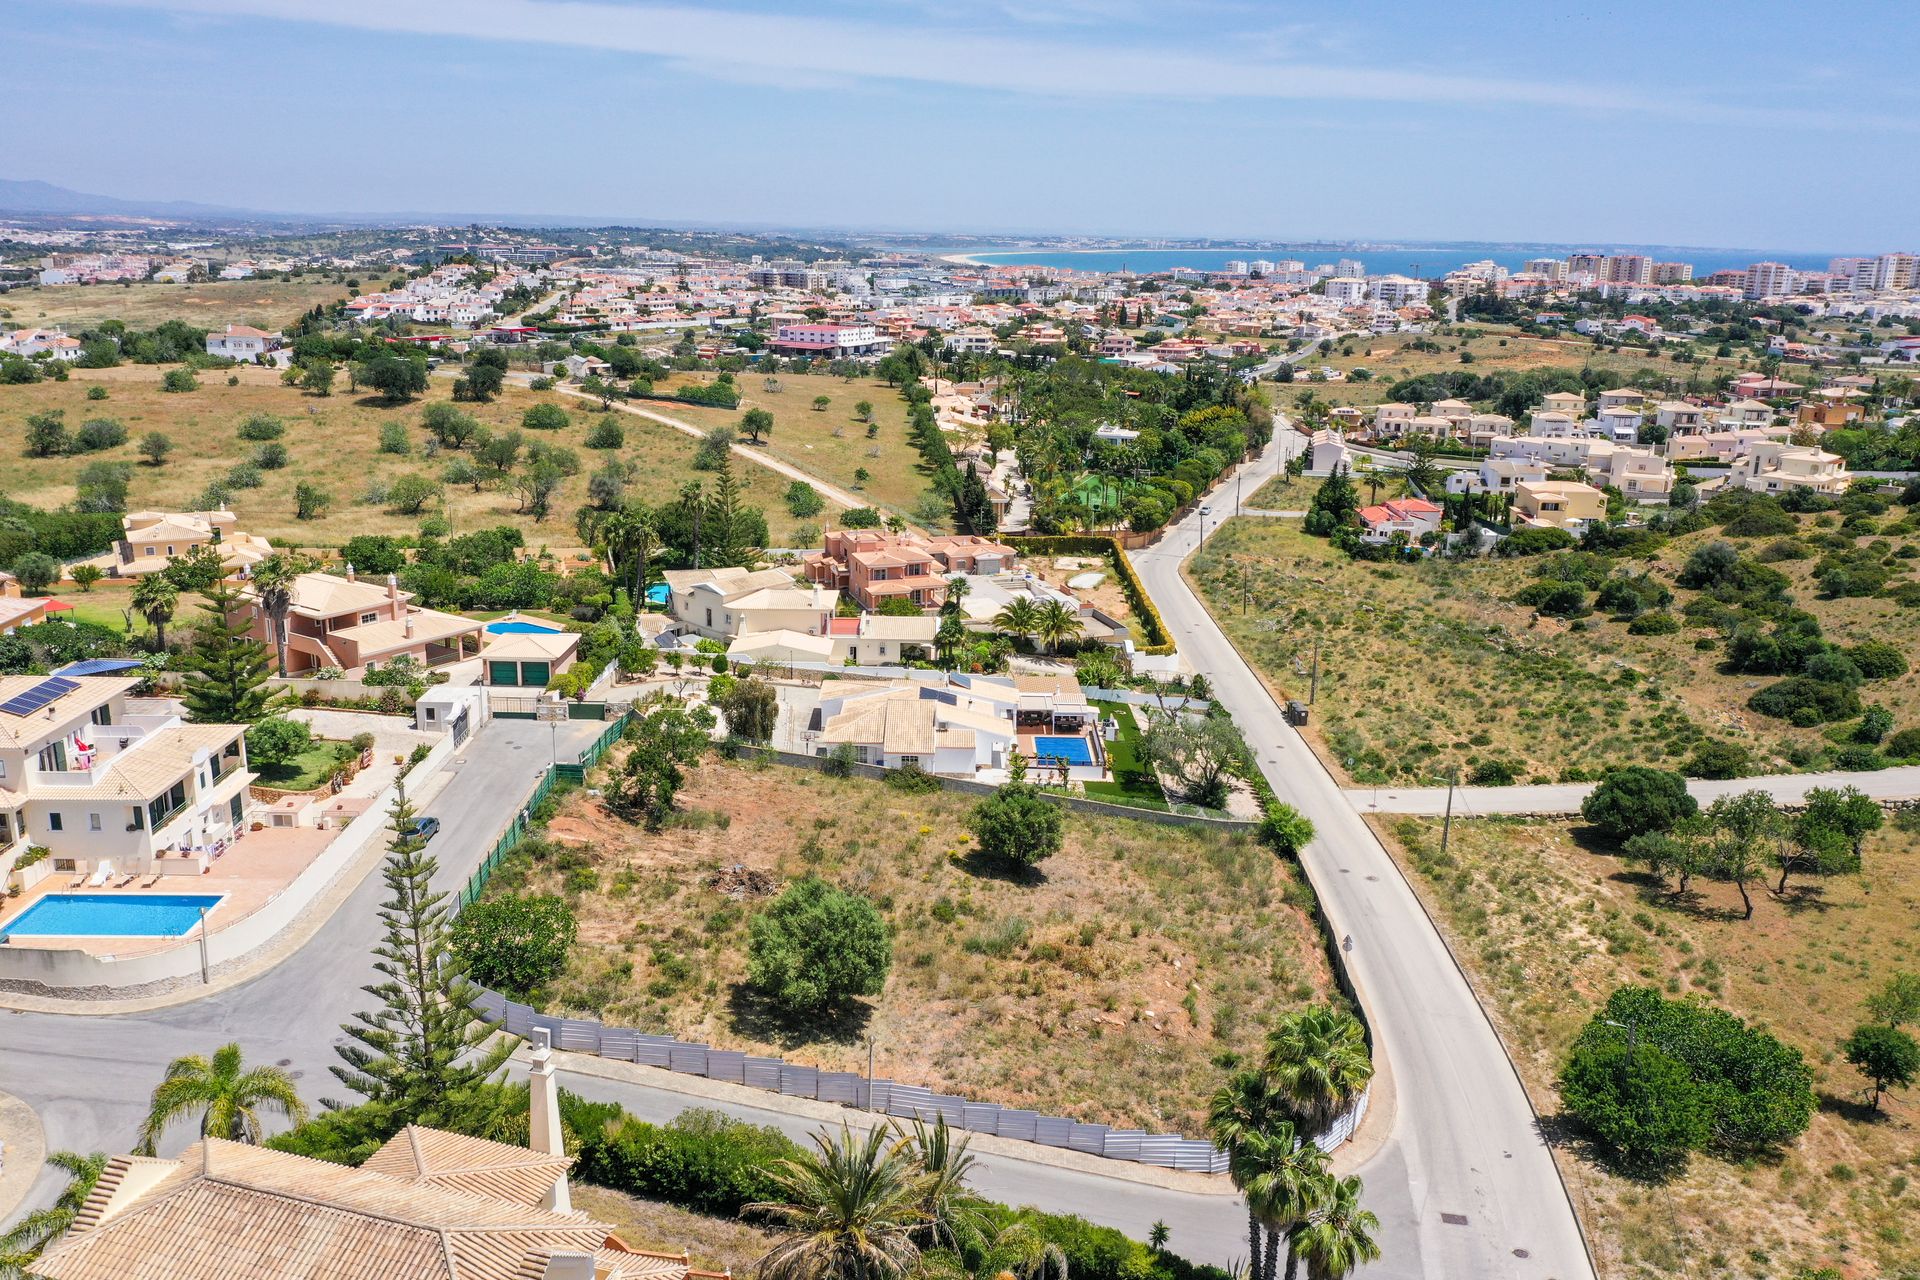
(423, 1056)
(226, 668)
(972, 508)
(727, 533)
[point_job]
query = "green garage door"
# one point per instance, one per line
(503, 673)
(534, 674)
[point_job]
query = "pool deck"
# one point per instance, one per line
(249, 875)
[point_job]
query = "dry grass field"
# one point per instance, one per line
(712, 1243)
(1113, 987)
(830, 443)
(1428, 667)
(1549, 926)
(334, 443)
(1499, 349)
(264, 304)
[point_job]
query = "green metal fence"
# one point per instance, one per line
(516, 831)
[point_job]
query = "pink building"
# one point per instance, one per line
(871, 566)
(343, 622)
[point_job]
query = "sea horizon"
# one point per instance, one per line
(1425, 261)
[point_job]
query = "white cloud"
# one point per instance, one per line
(790, 49)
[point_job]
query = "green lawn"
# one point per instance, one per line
(1132, 783)
(306, 771)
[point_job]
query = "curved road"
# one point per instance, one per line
(1464, 1185)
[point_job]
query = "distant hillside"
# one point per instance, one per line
(33, 196)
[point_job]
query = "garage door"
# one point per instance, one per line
(503, 673)
(534, 674)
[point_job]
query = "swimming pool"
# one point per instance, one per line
(521, 629)
(1071, 750)
(110, 915)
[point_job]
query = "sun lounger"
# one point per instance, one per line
(77, 881)
(127, 880)
(101, 874)
(152, 880)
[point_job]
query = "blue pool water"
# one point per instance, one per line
(520, 629)
(659, 593)
(1072, 750)
(111, 915)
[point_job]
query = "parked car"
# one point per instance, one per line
(421, 829)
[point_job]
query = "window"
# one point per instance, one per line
(93, 822)
(102, 715)
(368, 617)
(909, 761)
(153, 551)
(55, 822)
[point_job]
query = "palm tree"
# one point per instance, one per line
(1285, 1180)
(228, 1098)
(1018, 1249)
(1018, 617)
(957, 589)
(273, 580)
(1244, 1109)
(1340, 1237)
(1317, 1063)
(23, 1244)
(155, 599)
(851, 1210)
(1055, 622)
(948, 1210)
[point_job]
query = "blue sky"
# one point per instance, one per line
(1628, 122)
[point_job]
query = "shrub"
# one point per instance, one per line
(1016, 826)
(1638, 1102)
(155, 446)
(393, 439)
(1533, 542)
(262, 426)
(1759, 1092)
(803, 500)
(545, 417)
(1878, 660)
(1904, 745)
(1658, 623)
(605, 434)
(515, 946)
(1805, 701)
(96, 434)
(276, 740)
(860, 518)
(1493, 773)
(271, 456)
(1761, 518)
(179, 380)
(1715, 759)
(1284, 829)
(1886, 1056)
(1637, 799)
(1859, 757)
(816, 947)
(702, 1161)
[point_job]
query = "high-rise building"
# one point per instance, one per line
(1348, 268)
(1554, 269)
(1896, 271)
(1672, 272)
(1235, 266)
(1260, 266)
(1629, 268)
(1587, 264)
(1769, 280)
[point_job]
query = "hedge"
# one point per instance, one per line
(717, 402)
(1160, 640)
(64, 535)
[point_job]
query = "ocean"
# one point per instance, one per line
(1427, 262)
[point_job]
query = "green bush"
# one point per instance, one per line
(1805, 701)
(1904, 745)
(262, 426)
(1016, 826)
(515, 946)
(1878, 660)
(1284, 829)
(1659, 623)
(1638, 1101)
(1638, 799)
(816, 947)
(1721, 760)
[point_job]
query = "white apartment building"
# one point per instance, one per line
(1346, 290)
(1398, 291)
(96, 785)
(1774, 466)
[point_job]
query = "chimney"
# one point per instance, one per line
(568, 1266)
(409, 632)
(350, 574)
(393, 589)
(544, 1117)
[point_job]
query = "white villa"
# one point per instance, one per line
(100, 787)
(1774, 467)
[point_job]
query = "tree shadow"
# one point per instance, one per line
(1564, 1132)
(755, 1017)
(1851, 1110)
(981, 867)
(1801, 898)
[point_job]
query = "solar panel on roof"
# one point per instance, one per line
(25, 704)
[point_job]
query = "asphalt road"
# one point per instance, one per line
(1464, 1185)
(1902, 783)
(88, 1077)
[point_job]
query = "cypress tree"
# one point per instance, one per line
(226, 668)
(423, 1054)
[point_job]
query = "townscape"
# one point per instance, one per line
(848, 745)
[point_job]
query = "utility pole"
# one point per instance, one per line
(1446, 825)
(1313, 687)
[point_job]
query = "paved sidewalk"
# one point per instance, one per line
(1902, 783)
(24, 1153)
